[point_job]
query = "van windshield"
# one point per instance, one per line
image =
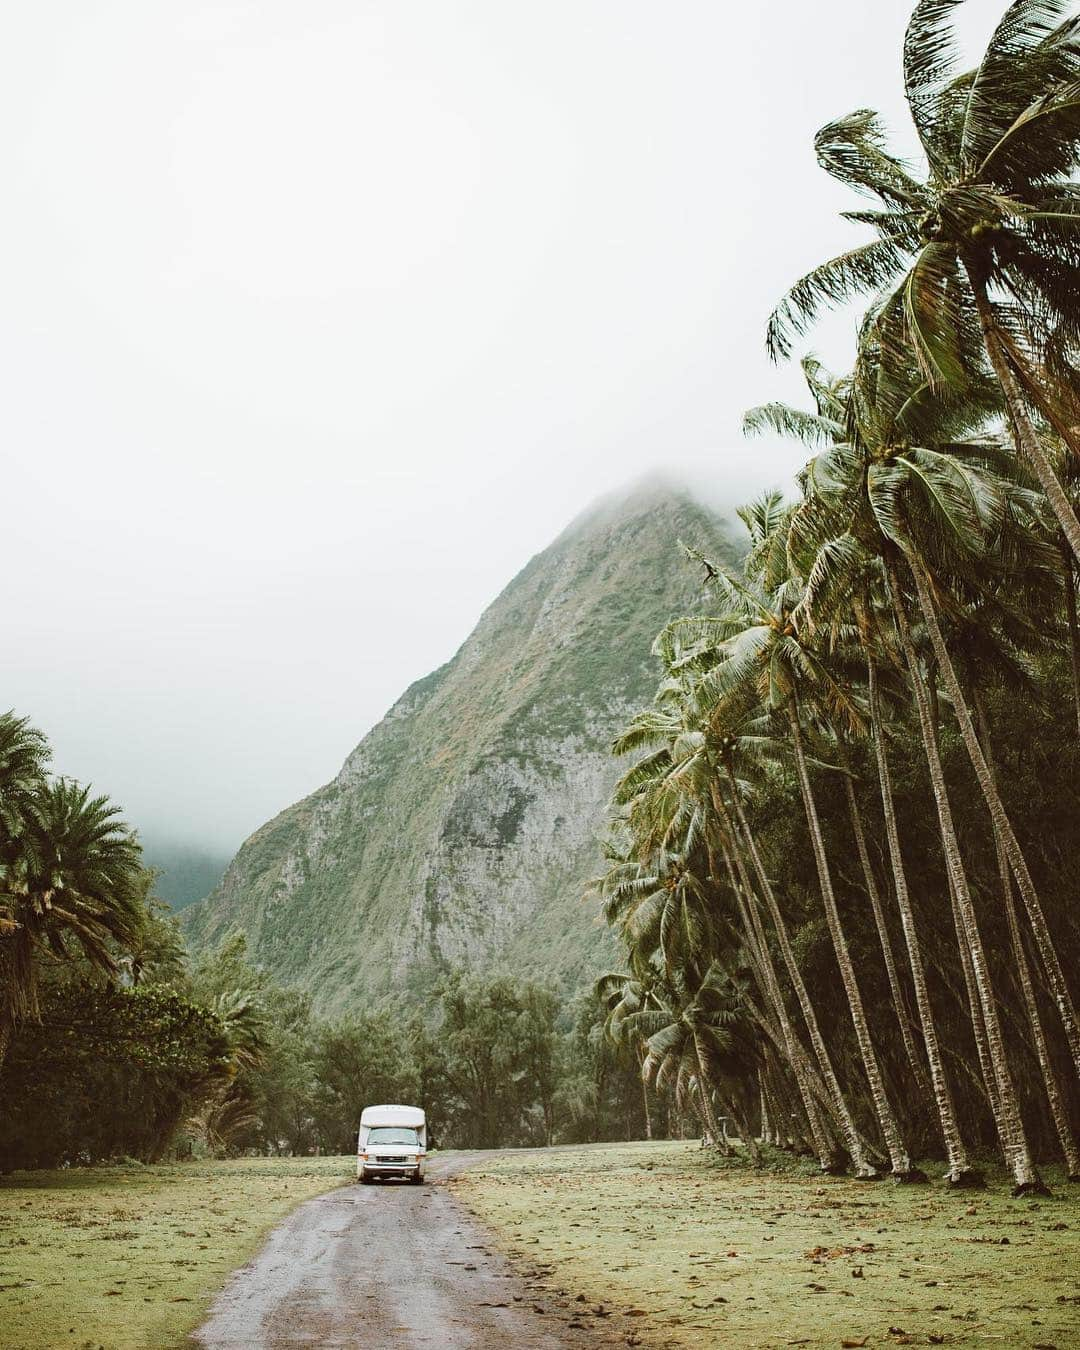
(392, 1134)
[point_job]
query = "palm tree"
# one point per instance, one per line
(832, 1098)
(837, 552)
(764, 650)
(231, 1108)
(675, 788)
(75, 884)
(694, 1037)
(984, 245)
(903, 485)
(1058, 1111)
(24, 758)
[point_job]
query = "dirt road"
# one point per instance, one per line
(391, 1266)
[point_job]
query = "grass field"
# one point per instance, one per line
(124, 1257)
(685, 1251)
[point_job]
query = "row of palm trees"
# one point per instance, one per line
(927, 560)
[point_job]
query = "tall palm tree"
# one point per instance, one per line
(76, 884)
(1055, 1098)
(905, 1021)
(905, 487)
(985, 243)
(676, 784)
(764, 650)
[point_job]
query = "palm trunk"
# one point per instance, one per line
(1002, 825)
(781, 1105)
(645, 1103)
(900, 1003)
(987, 1076)
(1018, 1153)
(890, 1129)
(708, 1114)
(810, 1088)
(777, 1103)
(852, 1142)
(960, 1171)
(746, 1134)
(1074, 630)
(1027, 440)
(763, 1107)
(1058, 1111)
(770, 982)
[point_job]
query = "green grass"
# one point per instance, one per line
(124, 1257)
(681, 1250)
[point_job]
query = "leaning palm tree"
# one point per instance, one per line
(964, 511)
(984, 244)
(984, 653)
(674, 794)
(764, 651)
(839, 554)
(75, 885)
(908, 488)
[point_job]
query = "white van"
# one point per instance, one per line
(392, 1143)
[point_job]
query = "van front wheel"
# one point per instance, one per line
(417, 1178)
(365, 1179)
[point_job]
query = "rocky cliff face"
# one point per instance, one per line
(461, 829)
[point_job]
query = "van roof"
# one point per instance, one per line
(392, 1115)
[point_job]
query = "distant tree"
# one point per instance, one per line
(360, 1062)
(496, 1044)
(286, 1085)
(601, 1093)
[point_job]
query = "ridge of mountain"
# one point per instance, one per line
(460, 831)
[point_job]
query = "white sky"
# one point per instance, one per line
(320, 318)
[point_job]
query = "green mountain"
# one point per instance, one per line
(461, 828)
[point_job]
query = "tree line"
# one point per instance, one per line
(115, 1042)
(843, 866)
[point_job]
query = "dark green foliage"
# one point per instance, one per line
(368, 1059)
(601, 1095)
(492, 1060)
(108, 1072)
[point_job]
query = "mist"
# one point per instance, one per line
(320, 320)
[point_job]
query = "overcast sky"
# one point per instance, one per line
(320, 318)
